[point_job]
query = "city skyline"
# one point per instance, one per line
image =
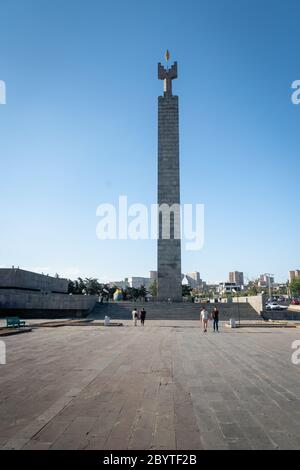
(79, 129)
(150, 275)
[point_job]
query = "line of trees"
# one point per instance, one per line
(91, 286)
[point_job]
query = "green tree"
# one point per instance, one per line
(111, 291)
(186, 291)
(252, 290)
(135, 293)
(89, 286)
(153, 288)
(295, 287)
(76, 287)
(142, 292)
(70, 287)
(80, 285)
(127, 293)
(92, 286)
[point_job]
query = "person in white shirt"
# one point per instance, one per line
(204, 319)
(134, 316)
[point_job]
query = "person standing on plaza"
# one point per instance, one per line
(215, 318)
(143, 316)
(134, 316)
(204, 319)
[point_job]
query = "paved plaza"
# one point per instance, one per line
(164, 386)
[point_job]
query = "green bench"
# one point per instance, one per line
(14, 322)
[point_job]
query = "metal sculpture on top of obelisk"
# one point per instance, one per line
(169, 239)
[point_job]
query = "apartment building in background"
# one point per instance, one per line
(236, 277)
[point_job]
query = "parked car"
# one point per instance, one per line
(295, 302)
(275, 306)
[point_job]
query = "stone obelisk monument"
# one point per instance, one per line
(169, 238)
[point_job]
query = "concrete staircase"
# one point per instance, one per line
(174, 311)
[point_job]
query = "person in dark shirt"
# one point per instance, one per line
(143, 316)
(215, 317)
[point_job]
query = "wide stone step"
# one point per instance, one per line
(175, 311)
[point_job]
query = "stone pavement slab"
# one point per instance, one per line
(164, 386)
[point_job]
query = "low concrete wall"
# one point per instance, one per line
(294, 308)
(256, 301)
(14, 300)
(282, 315)
(21, 279)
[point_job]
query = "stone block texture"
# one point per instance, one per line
(168, 249)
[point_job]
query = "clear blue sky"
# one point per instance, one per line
(79, 128)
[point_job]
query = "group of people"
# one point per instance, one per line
(204, 317)
(138, 315)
